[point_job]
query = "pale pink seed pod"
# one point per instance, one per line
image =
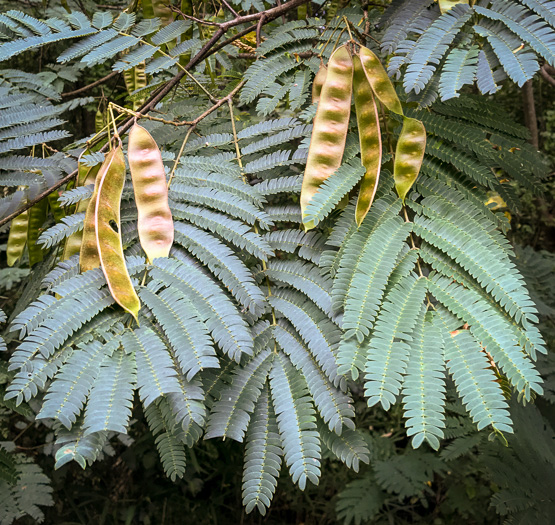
(151, 194)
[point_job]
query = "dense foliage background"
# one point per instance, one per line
(475, 477)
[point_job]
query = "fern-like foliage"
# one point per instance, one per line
(29, 491)
(481, 43)
(253, 329)
(405, 475)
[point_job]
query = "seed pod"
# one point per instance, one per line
(37, 217)
(158, 9)
(331, 10)
(82, 169)
(330, 126)
(108, 236)
(100, 120)
(155, 222)
(57, 211)
(17, 238)
(135, 78)
(446, 5)
(319, 80)
(370, 140)
(379, 80)
(409, 155)
(89, 252)
(87, 175)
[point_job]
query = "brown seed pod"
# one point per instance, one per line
(331, 124)
(108, 233)
(155, 222)
(88, 258)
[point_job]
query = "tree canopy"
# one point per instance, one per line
(248, 241)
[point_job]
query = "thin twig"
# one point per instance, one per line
(134, 114)
(193, 18)
(412, 242)
(178, 156)
(253, 56)
(194, 123)
(231, 10)
(245, 180)
(348, 28)
(90, 86)
(259, 30)
(547, 76)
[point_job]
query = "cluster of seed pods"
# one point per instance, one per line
(363, 75)
(101, 241)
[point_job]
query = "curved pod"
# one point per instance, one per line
(409, 155)
(37, 217)
(108, 236)
(379, 80)
(155, 222)
(331, 123)
(57, 211)
(318, 83)
(88, 258)
(87, 175)
(370, 140)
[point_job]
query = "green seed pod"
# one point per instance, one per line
(446, 5)
(37, 217)
(151, 194)
(379, 80)
(82, 168)
(409, 155)
(370, 140)
(331, 124)
(57, 211)
(108, 233)
(135, 78)
(100, 120)
(17, 238)
(318, 83)
(331, 10)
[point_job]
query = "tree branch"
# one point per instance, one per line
(90, 86)
(207, 49)
(530, 118)
(544, 73)
(230, 9)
